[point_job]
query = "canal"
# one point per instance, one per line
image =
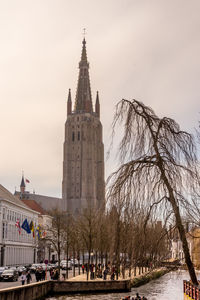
(168, 287)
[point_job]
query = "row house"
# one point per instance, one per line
(17, 247)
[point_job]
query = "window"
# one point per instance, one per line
(4, 213)
(78, 135)
(73, 136)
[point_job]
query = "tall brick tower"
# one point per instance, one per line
(83, 165)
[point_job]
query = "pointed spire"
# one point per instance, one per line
(69, 103)
(84, 53)
(83, 101)
(22, 185)
(97, 105)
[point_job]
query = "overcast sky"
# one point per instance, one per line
(148, 50)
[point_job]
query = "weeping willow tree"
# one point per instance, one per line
(158, 165)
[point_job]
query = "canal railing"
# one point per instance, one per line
(191, 291)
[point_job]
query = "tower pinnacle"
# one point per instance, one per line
(69, 103)
(97, 105)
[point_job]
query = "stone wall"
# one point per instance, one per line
(33, 291)
(91, 286)
(36, 291)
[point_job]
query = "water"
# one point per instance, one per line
(167, 287)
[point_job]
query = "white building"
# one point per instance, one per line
(15, 248)
(44, 248)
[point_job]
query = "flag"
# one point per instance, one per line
(25, 226)
(32, 228)
(38, 230)
(27, 180)
(17, 224)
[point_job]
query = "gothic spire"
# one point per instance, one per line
(83, 101)
(22, 185)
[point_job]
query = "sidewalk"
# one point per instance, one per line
(83, 277)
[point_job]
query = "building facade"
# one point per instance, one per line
(15, 248)
(83, 182)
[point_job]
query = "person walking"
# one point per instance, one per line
(83, 267)
(105, 274)
(23, 278)
(28, 277)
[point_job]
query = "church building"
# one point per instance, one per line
(83, 165)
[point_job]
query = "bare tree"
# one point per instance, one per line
(158, 165)
(56, 234)
(87, 224)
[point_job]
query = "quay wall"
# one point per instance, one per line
(38, 291)
(33, 291)
(91, 286)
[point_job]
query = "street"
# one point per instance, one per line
(7, 284)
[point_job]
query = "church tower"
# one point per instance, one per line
(83, 165)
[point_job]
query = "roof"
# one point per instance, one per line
(45, 202)
(6, 195)
(34, 205)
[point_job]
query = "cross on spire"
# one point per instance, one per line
(84, 32)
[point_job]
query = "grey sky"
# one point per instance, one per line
(148, 50)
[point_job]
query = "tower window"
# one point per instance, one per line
(73, 136)
(78, 135)
(77, 118)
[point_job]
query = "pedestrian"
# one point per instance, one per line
(137, 297)
(28, 277)
(43, 274)
(52, 273)
(83, 267)
(144, 298)
(37, 275)
(56, 275)
(23, 278)
(105, 274)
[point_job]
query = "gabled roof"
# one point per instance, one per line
(6, 195)
(34, 205)
(46, 202)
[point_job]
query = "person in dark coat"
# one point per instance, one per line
(37, 275)
(137, 297)
(105, 272)
(43, 275)
(28, 277)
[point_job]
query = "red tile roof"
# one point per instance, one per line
(34, 205)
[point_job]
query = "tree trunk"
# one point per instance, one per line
(180, 227)
(182, 235)
(74, 271)
(67, 274)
